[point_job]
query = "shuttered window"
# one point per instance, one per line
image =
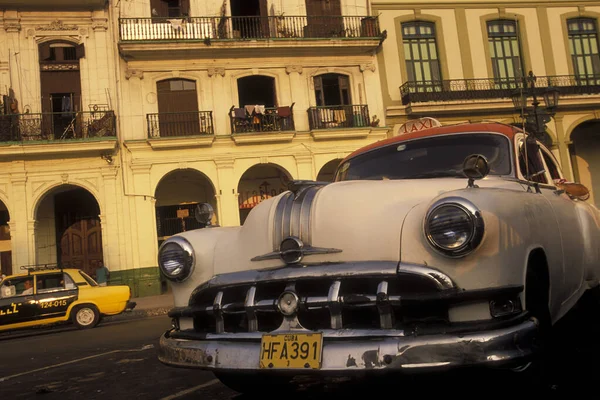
(583, 45)
(421, 55)
(503, 42)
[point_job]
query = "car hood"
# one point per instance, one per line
(342, 221)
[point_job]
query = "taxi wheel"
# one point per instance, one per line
(253, 384)
(85, 316)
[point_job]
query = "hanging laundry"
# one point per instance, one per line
(176, 24)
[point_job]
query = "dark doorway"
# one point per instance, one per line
(259, 183)
(257, 90)
(250, 18)
(324, 19)
(169, 8)
(78, 230)
(178, 107)
(332, 90)
(61, 89)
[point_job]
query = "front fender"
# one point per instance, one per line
(515, 224)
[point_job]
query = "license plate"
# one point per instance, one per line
(291, 350)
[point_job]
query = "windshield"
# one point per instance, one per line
(431, 157)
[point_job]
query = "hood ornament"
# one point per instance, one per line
(475, 166)
(292, 251)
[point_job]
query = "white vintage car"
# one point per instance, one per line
(452, 246)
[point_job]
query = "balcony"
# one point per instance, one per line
(332, 118)
(492, 89)
(146, 38)
(180, 129)
(57, 132)
(252, 124)
(56, 4)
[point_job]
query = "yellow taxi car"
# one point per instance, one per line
(48, 294)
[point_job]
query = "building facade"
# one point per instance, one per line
(465, 61)
(118, 118)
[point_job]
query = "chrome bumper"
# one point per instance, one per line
(348, 354)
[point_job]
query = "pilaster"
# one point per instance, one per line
(299, 87)
(563, 148)
(227, 196)
(22, 237)
(304, 163)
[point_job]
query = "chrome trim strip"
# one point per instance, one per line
(304, 231)
(306, 251)
(278, 219)
(348, 269)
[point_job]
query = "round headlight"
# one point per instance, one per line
(454, 226)
(176, 259)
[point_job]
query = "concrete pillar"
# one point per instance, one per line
(299, 87)
(563, 148)
(227, 196)
(142, 221)
(21, 237)
(109, 220)
(221, 101)
(372, 93)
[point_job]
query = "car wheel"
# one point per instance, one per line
(255, 385)
(537, 294)
(85, 316)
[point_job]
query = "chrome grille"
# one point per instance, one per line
(326, 302)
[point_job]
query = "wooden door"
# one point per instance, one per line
(178, 108)
(6, 262)
(81, 245)
(324, 18)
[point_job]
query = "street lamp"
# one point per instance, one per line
(535, 117)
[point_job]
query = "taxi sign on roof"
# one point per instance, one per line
(415, 125)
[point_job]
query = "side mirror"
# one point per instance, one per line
(475, 166)
(575, 190)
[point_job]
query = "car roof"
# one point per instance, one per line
(496, 127)
(44, 271)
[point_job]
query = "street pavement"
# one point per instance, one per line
(118, 360)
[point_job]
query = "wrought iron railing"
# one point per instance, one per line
(273, 27)
(490, 88)
(272, 119)
(57, 126)
(174, 124)
(337, 117)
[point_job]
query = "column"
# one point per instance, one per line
(109, 221)
(132, 105)
(563, 148)
(143, 228)
(304, 164)
(22, 239)
(227, 196)
(221, 101)
(300, 94)
(372, 91)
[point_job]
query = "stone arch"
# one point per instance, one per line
(40, 196)
(577, 123)
(327, 171)
(584, 151)
(68, 229)
(177, 193)
(259, 182)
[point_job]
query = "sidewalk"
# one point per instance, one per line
(149, 306)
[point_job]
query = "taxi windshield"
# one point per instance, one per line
(432, 157)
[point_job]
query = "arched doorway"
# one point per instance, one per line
(326, 174)
(5, 247)
(177, 195)
(585, 157)
(68, 229)
(258, 183)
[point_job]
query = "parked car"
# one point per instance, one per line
(47, 294)
(453, 246)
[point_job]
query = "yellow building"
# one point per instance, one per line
(461, 61)
(120, 117)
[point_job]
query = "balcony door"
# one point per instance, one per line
(250, 19)
(505, 53)
(422, 56)
(177, 108)
(585, 55)
(324, 19)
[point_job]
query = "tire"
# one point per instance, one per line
(535, 370)
(253, 384)
(85, 316)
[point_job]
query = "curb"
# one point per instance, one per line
(137, 314)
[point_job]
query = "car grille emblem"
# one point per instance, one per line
(291, 250)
